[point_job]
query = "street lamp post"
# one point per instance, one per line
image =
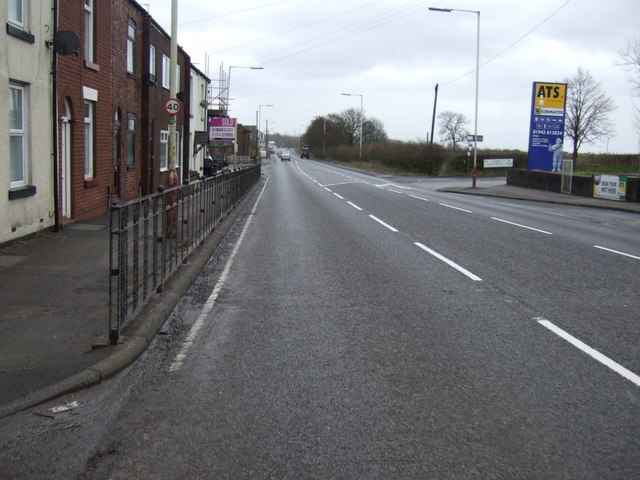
(229, 81)
(258, 123)
(361, 115)
(474, 172)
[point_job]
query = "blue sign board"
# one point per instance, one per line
(546, 132)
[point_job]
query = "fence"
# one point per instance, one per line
(152, 236)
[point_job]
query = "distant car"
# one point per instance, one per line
(285, 156)
(305, 152)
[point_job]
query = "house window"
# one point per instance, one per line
(152, 61)
(131, 140)
(131, 46)
(88, 139)
(165, 71)
(88, 30)
(16, 13)
(164, 149)
(17, 136)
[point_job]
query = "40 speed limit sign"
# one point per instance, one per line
(172, 106)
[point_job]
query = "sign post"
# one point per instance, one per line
(546, 132)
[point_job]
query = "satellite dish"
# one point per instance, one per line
(65, 43)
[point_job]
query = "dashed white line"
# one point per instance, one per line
(456, 208)
(383, 223)
(355, 206)
(339, 196)
(462, 270)
(521, 226)
(616, 251)
(394, 191)
(613, 365)
(419, 198)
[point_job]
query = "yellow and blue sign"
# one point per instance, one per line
(546, 132)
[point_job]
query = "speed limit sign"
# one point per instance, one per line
(172, 106)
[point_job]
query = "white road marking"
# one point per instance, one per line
(354, 206)
(211, 301)
(394, 191)
(328, 190)
(462, 270)
(615, 366)
(419, 198)
(339, 196)
(616, 251)
(456, 208)
(383, 223)
(521, 226)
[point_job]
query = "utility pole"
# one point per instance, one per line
(173, 92)
(433, 118)
(171, 219)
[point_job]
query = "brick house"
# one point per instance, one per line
(155, 120)
(111, 99)
(84, 95)
(87, 126)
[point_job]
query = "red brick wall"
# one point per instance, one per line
(127, 93)
(89, 198)
(155, 119)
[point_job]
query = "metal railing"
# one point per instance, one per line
(153, 235)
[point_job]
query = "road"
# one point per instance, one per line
(360, 327)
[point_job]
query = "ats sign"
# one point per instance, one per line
(222, 129)
(546, 132)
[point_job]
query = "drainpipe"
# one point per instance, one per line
(54, 108)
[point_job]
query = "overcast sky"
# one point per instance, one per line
(393, 52)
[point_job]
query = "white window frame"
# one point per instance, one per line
(152, 60)
(164, 150)
(166, 68)
(131, 45)
(131, 140)
(18, 131)
(16, 13)
(89, 31)
(89, 131)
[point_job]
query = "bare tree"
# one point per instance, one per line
(587, 112)
(630, 60)
(350, 122)
(452, 128)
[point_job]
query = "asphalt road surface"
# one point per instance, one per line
(359, 327)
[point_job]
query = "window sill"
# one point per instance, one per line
(21, 34)
(91, 182)
(22, 192)
(92, 66)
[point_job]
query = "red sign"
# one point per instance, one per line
(172, 106)
(222, 129)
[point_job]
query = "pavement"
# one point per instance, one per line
(54, 302)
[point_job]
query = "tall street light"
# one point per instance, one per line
(474, 173)
(361, 114)
(258, 120)
(229, 80)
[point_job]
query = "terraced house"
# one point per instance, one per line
(86, 124)
(26, 150)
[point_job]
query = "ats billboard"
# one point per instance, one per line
(546, 132)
